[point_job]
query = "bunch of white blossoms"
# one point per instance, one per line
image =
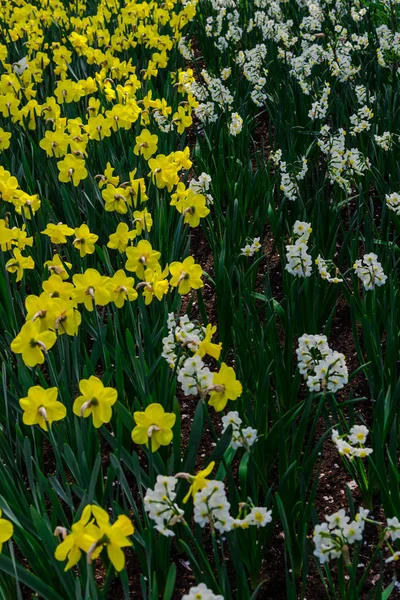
(354, 445)
(384, 141)
(299, 261)
(211, 507)
(370, 271)
(319, 108)
(361, 120)
(251, 249)
(236, 124)
(159, 503)
(182, 334)
(194, 376)
(184, 347)
(332, 538)
(393, 202)
(324, 368)
(201, 592)
(241, 438)
(324, 268)
(201, 185)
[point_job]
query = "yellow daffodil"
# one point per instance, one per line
(84, 534)
(72, 169)
(121, 288)
(6, 236)
(57, 266)
(67, 317)
(85, 240)
(155, 284)
(146, 144)
(206, 346)
(153, 424)
(225, 387)
(32, 343)
(115, 199)
(198, 481)
(40, 308)
(19, 263)
(55, 287)
(186, 275)
(41, 407)
(142, 220)
(96, 400)
(113, 537)
(58, 233)
(55, 143)
(91, 288)
(6, 530)
(5, 137)
(121, 238)
(141, 257)
(181, 119)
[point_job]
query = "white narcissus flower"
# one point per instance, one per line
(370, 271)
(201, 592)
(393, 202)
(323, 368)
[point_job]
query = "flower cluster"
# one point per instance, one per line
(370, 271)
(184, 349)
(93, 533)
(201, 592)
(241, 437)
(324, 268)
(393, 202)
(251, 249)
(160, 506)
(353, 444)
(236, 124)
(298, 260)
(323, 368)
(332, 538)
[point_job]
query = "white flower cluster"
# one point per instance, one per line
(241, 438)
(252, 62)
(319, 108)
(384, 141)
(289, 180)
(183, 347)
(354, 446)
(370, 271)
(324, 268)
(220, 95)
(184, 49)
(393, 202)
(162, 122)
(251, 249)
(201, 185)
(333, 537)
(393, 528)
(194, 376)
(298, 260)
(201, 592)
(342, 164)
(361, 93)
(361, 120)
(211, 507)
(303, 171)
(236, 124)
(389, 46)
(159, 503)
(324, 368)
